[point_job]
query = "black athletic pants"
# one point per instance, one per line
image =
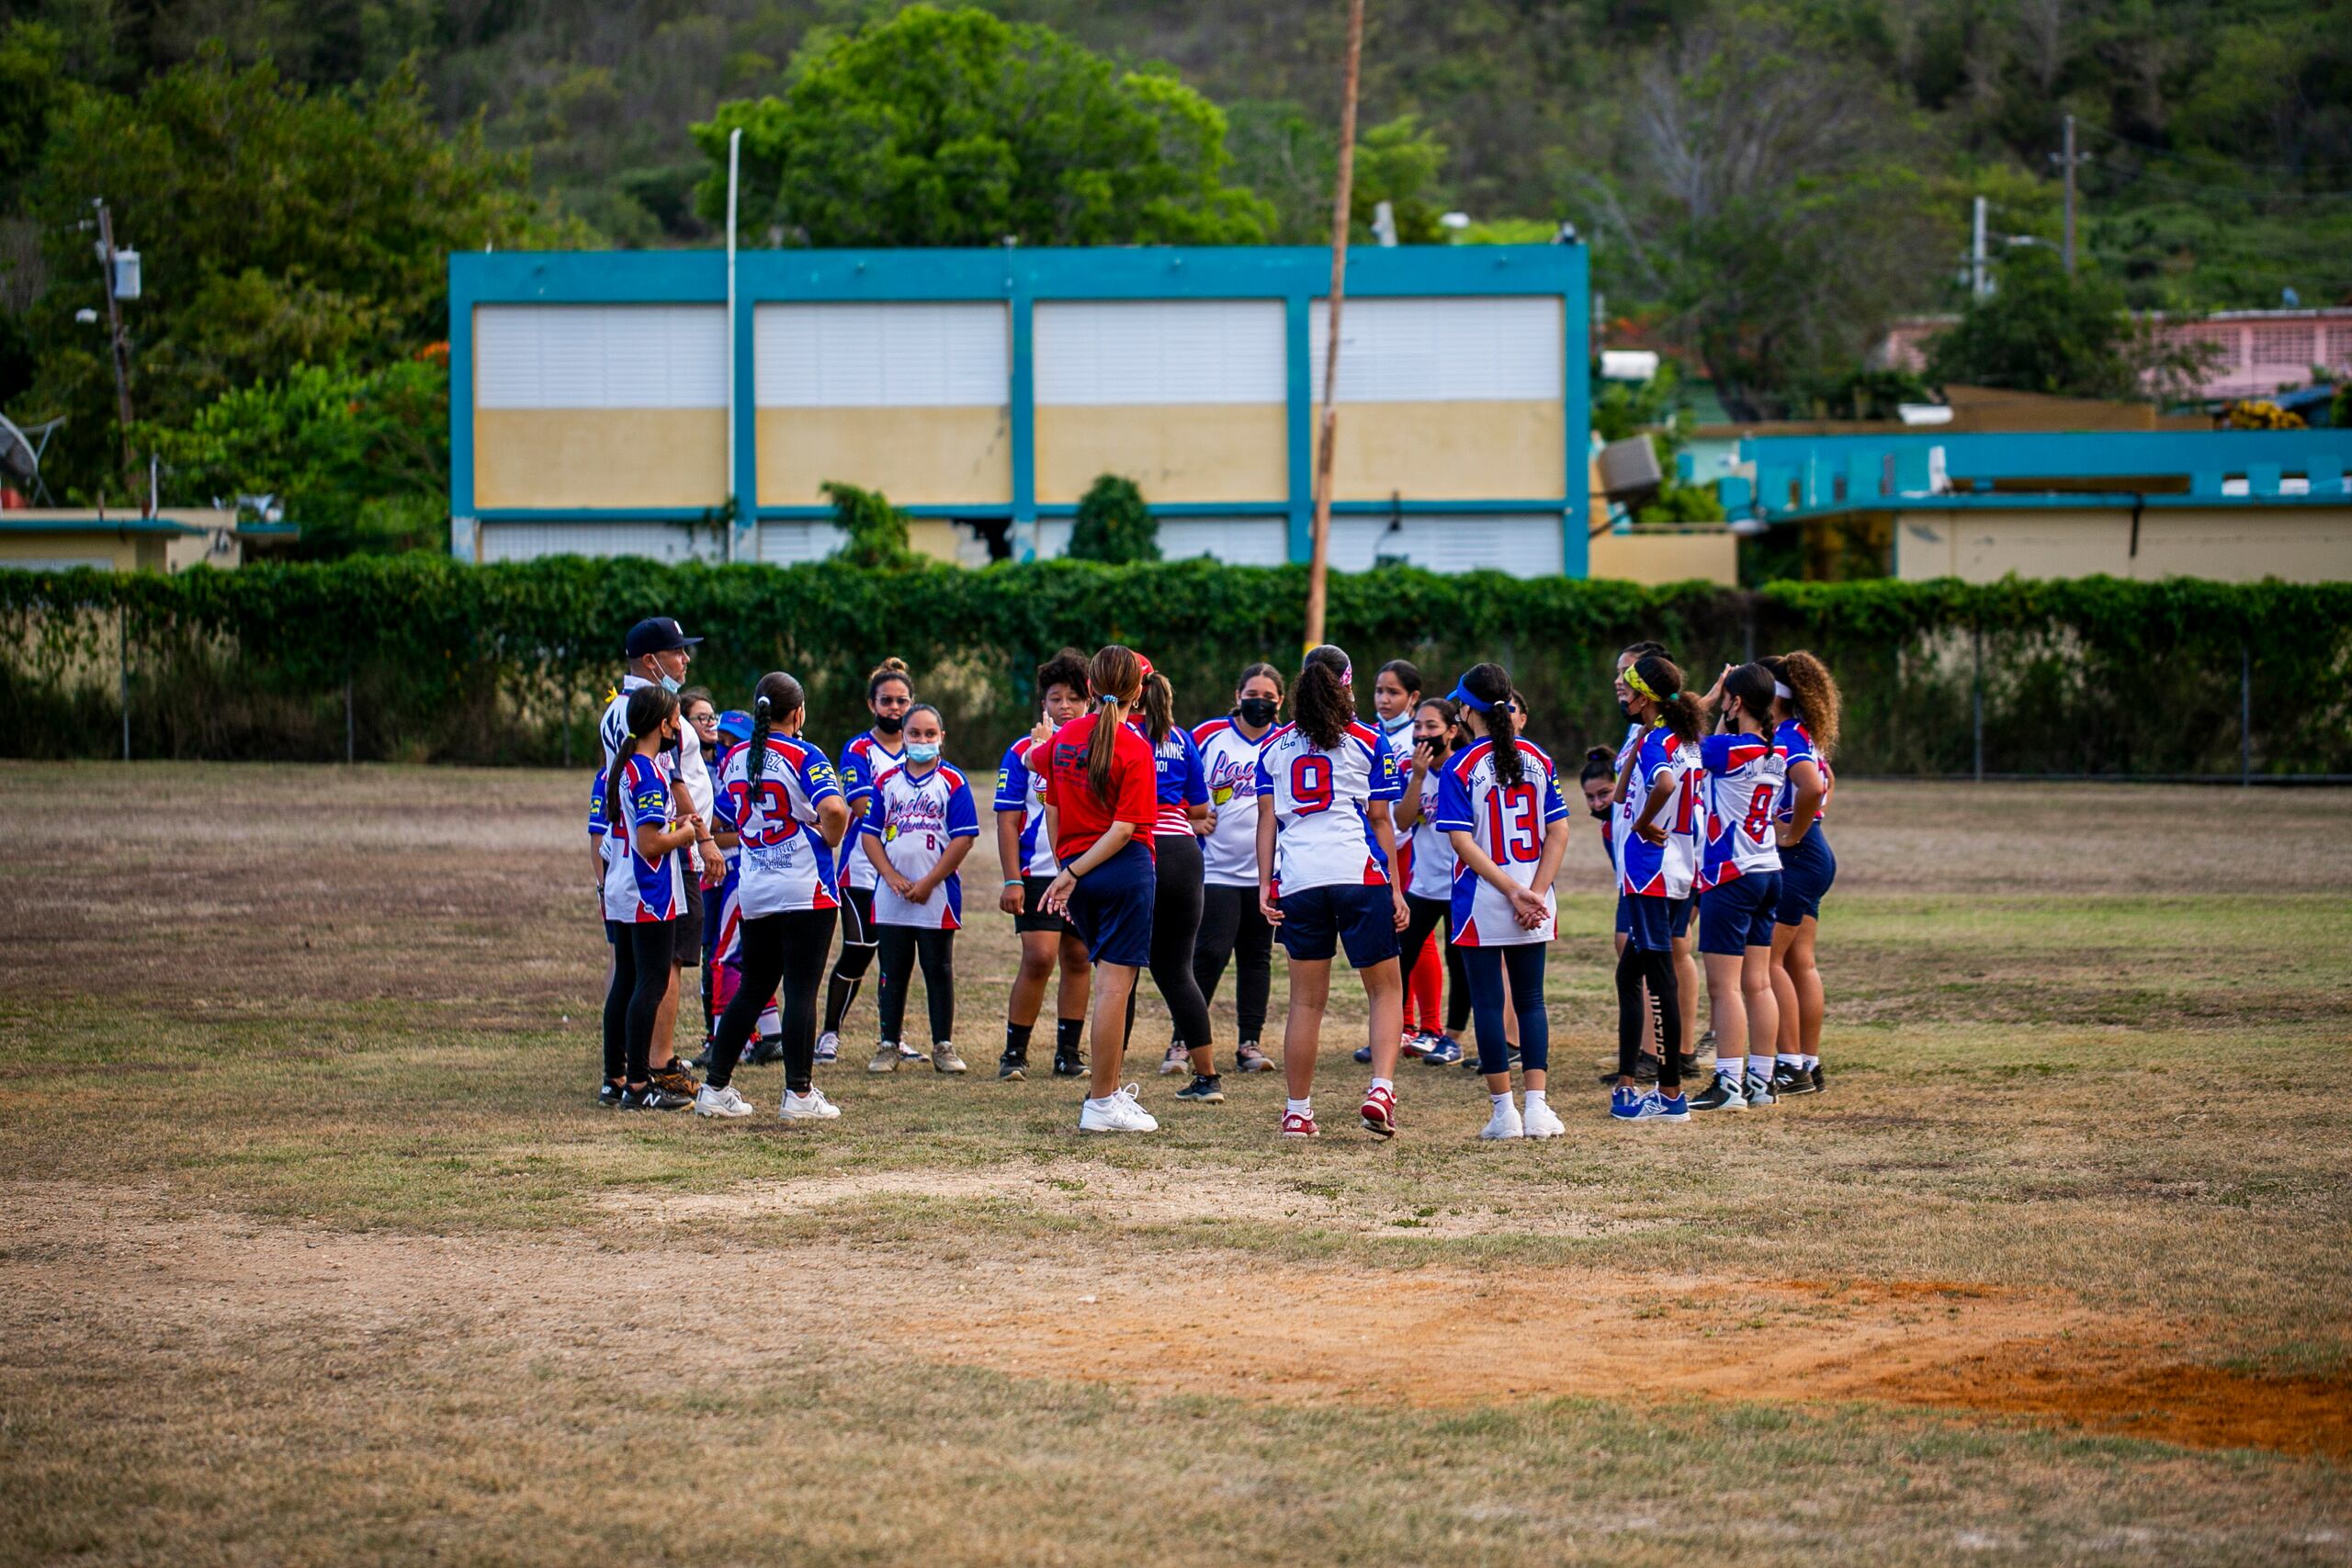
(857, 952)
(1233, 927)
(788, 951)
(1425, 916)
(1175, 927)
(900, 947)
(1653, 967)
(642, 966)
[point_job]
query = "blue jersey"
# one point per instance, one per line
(1743, 784)
(1020, 787)
(1179, 779)
(1793, 742)
(637, 888)
(1660, 870)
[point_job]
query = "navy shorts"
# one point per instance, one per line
(1656, 922)
(1738, 915)
(1806, 873)
(1317, 921)
(1111, 909)
(1678, 918)
(1033, 916)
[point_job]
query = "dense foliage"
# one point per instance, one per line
(1113, 524)
(507, 663)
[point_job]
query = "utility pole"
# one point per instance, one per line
(1977, 281)
(1320, 562)
(2066, 160)
(114, 335)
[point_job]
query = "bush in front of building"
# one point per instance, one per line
(1113, 524)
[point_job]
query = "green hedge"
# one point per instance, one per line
(508, 663)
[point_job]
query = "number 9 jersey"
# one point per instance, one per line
(1321, 800)
(1506, 821)
(785, 862)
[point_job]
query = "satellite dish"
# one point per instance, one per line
(20, 454)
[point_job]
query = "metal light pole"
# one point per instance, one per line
(1320, 563)
(734, 164)
(121, 350)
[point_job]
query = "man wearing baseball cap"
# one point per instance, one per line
(657, 652)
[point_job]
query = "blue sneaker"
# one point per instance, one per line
(1363, 1053)
(1625, 1103)
(1445, 1052)
(1632, 1105)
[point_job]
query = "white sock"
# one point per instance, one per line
(1791, 1061)
(1760, 1068)
(1534, 1097)
(1300, 1107)
(1810, 1061)
(1728, 1068)
(1500, 1101)
(1385, 1083)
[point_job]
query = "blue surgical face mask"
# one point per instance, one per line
(670, 683)
(919, 752)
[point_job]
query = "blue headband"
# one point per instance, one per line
(1471, 699)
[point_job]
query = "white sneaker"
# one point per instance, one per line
(829, 1048)
(1540, 1121)
(1178, 1059)
(909, 1052)
(1118, 1113)
(709, 1101)
(1504, 1123)
(810, 1106)
(885, 1058)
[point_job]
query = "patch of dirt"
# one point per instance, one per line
(1105, 1194)
(1225, 1324)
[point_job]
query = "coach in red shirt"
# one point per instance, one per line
(1101, 800)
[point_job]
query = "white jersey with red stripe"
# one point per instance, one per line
(1793, 742)
(1508, 822)
(1020, 787)
(914, 816)
(864, 759)
(1744, 775)
(1229, 768)
(1428, 852)
(1664, 869)
(1322, 798)
(636, 888)
(785, 863)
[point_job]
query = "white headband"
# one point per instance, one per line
(1782, 692)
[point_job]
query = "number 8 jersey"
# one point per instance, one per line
(785, 863)
(1744, 777)
(1508, 822)
(1321, 799)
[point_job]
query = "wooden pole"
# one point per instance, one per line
(1320, 563)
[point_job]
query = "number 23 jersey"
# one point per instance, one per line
(1321, 800)
(784, 863)
(1506, 821)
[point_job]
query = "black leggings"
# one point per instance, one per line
(1637, 967)
(786, 950)
(900, 946)
(642, 966)
(1175, 926)
(1424, 916)
(1232, 926)
(1524, 964)
(858, 952)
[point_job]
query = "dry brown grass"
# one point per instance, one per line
(315, 1250)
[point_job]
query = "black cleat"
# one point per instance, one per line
(1203, 1091)
(1686, 1063)
(1069, 1065)
(1820, 1084)
(1788, 1080)
(653, 1097)
(1645, 1068)
(609, 1097)
(1013, 1067)
(1721, 1095)
(701, 1062)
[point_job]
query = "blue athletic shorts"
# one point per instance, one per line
(1806, 873)
(1111, 909)
(1738, 915)
(1679, 917)
(1656, 922)
(1317, 921)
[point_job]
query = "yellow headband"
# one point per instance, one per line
(1634, 679)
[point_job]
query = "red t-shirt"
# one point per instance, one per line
(1085, 817)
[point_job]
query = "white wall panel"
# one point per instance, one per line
(1408, 350)
(1160, 351)
(1236, 541)
(788, 544)
(1523, 546)
(600, 357)
(853, 356)
(655, 541)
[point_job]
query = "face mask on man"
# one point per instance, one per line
(1259, 710)
(922, 752)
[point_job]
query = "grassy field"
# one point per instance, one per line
(316, 1251)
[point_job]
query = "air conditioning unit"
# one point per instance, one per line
(1629, 467)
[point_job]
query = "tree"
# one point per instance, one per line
(276, 227)
(2044, 332)
(360, 460)
(1114, 524)
(1399, 163)
(877, 530)
(954, 127)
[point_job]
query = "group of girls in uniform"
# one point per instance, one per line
(1423, 847)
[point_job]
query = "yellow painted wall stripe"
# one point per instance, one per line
(562, 457)
(918, 456)
(1174, 452)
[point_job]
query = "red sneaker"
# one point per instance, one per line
(1296, 1126)
(1380, 1113)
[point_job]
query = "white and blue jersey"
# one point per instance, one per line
(1427, 852)
(1793, 743)
(1020, 787)
(1744, 774)
(864, 760)
(1660, 870)
(636, 888)
(1230, 769)
(1178, 779)
(1508, 822)
(914, 817)
(1322, 799)
(784, 863)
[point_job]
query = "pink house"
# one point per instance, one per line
(2262, 351)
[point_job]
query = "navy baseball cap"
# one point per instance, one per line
(656, 634)
(735, 723)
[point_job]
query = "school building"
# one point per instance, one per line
(608, 403)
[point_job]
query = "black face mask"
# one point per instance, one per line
(1258, 711)
(889, 722)
(1600, 813)
(1627, 709)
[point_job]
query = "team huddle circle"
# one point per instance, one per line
(1419, 843)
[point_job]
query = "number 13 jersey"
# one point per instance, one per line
(1508, 822)
(1322, 798)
